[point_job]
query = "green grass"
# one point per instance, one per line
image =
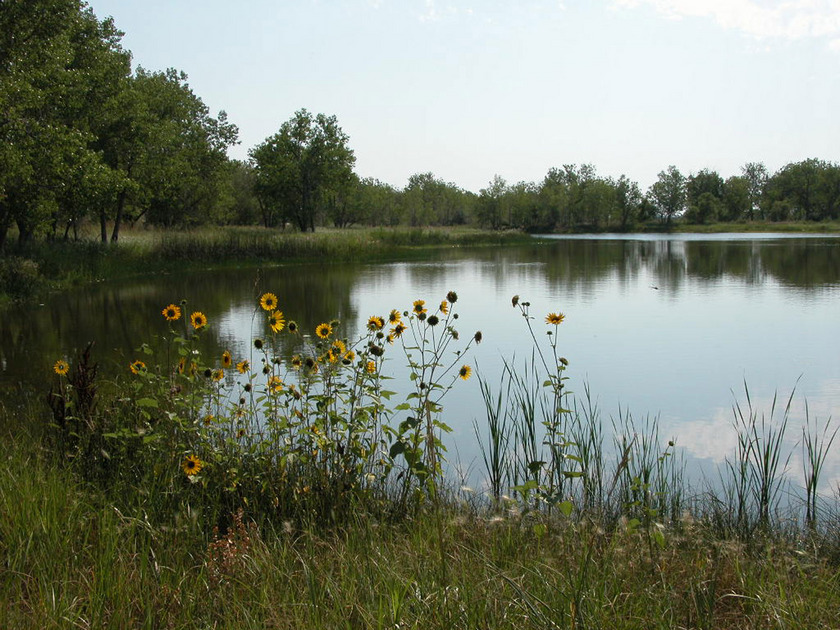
(31, 270)
(70, 559)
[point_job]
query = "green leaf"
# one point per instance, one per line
(572, 474)
(566, 508)
(527, 486)
(535, 466)
(402, 407)
(397, 448)
(540, 530)
(147, 402)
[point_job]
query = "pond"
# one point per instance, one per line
(671, 326)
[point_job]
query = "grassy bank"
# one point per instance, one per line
(35, 269)
(281, 492)
(70, 558)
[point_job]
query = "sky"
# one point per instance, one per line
(470, 89)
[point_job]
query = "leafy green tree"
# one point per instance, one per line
(297, 166)
(381, 202)
(806, 191)
(736, 199)
(492, 204)
(667, 194)
(756, 176)
(58, 65)
(180, 165)
(628, 200)
(239, 201)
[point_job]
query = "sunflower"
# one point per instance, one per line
(268, 301)
(292, 326)
(452, 297)
(555, 318)
(433, 320)
(375, 323)
(339, 346)
(277, 321)
(444, 307)
(243, 366)
(198, 320)
(218, 375)
(182, 365)
(323, 331)
(275, 384)
(191, 465)
(393, 316)
(61, 367)
(370, 367)
(296, 362)
(227, 359)
(137, 366)
(172, 312)
(465, 372)
(419, 307)
(398, 330)
(349, 356)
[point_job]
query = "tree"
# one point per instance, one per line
(628, 200)
(492, 203)
(297, 166)
(756, 176)
(736, 199)
(180, 163)
(668, 194)
(58, 66)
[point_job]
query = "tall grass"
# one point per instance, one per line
(323, 505)
(32, 268)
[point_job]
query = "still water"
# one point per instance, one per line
(663, 326)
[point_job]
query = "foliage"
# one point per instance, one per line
(306, 436)
(299, 166)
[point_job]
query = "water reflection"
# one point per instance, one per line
(662, 325)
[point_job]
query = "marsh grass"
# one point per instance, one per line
(29, 270)
(338, 516)
(69, 559)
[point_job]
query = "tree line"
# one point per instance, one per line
(84, 139)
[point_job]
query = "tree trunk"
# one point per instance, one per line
(115, 234)
(103, 227)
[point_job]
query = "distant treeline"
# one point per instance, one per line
(86, 140)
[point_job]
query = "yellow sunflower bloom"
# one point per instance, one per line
(227, 359)
(277, 321)
(182, 365)
(465, 372)
(61, 367)
(324, 331)
(218, 375)
(275, 384)
(198, 320)
(243, 366)
(172, 312)
(370, 367)
(419, 307)
(191, 465)
(296, 362)
(268, 301)
(394, 316)
(555, 318)
(375, 323)
(137, 366)
(444, 307)
(398, 330)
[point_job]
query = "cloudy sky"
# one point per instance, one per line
(468, 89)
